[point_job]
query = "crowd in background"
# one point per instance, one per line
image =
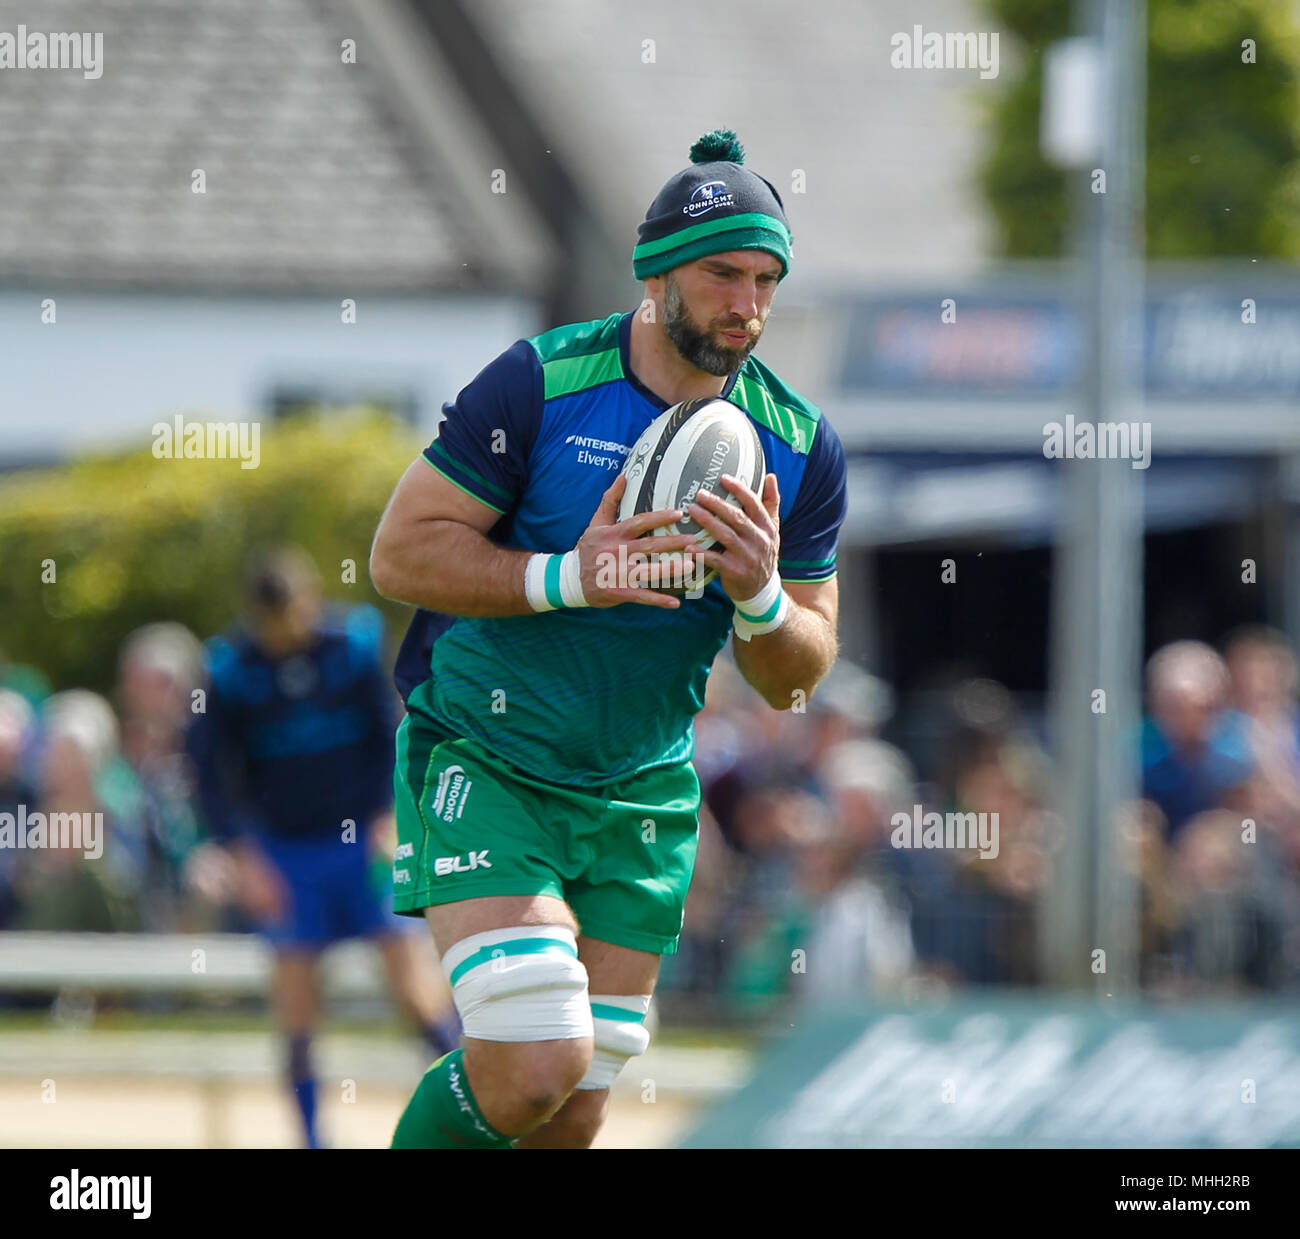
(802, 889)
(800, 892)
(77, 752)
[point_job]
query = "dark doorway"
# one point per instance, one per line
(993, 620)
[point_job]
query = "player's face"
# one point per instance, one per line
(290, 630)
(716, 307)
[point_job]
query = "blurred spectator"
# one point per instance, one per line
(1263, 672)
(998, 894)
(63, 888)
(867, 782)
(814, 911)
(17, 729)
(30, 683)
(812, 919)
(761, 917)
(977, 924)
(849, 704)
(741, 745)
(159, 668)
(859, 941)
(862, 889)
(1232, 926)
(1159, 916)
(861, 701)
(728, 732)
(1195, 751)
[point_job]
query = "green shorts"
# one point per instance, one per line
(470, 825)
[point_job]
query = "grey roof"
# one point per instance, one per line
(319, 173)
(888, 154)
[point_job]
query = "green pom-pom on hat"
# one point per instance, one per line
(719, 144)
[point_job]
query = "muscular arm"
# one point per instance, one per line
(431, 550)
(794, 657)
(797, 655)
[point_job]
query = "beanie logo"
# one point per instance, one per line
(707, 196)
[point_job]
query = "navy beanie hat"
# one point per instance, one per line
(713, 206)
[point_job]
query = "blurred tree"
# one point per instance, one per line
(1223, 138)
(132, 539)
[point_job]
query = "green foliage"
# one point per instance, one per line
(1223, 142)
(1033, 21)
(135, 539)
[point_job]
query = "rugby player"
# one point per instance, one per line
(293, 752)
(546, 801)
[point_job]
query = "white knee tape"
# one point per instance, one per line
(521, 984)
(621, 1034)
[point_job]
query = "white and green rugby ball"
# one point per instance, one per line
(684, 451)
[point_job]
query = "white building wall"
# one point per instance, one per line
(112, 365)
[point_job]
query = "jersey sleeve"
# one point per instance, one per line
(214, 743)
(810, 534)
(488, 431)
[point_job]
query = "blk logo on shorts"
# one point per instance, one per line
(453, 788)
(444, 865)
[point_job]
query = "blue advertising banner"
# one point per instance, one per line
(1202, 342)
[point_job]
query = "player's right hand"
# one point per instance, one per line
(261, 891)
(617, 556)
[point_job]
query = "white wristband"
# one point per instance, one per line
(766, 611)
(553, 582)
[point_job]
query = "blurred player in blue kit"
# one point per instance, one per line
(294, 754)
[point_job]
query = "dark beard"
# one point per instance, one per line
(695, 346)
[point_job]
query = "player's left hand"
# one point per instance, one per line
(381, 834)
(749, 535)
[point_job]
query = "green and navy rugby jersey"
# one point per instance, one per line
(588, 696)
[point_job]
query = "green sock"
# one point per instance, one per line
(443, 1113)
